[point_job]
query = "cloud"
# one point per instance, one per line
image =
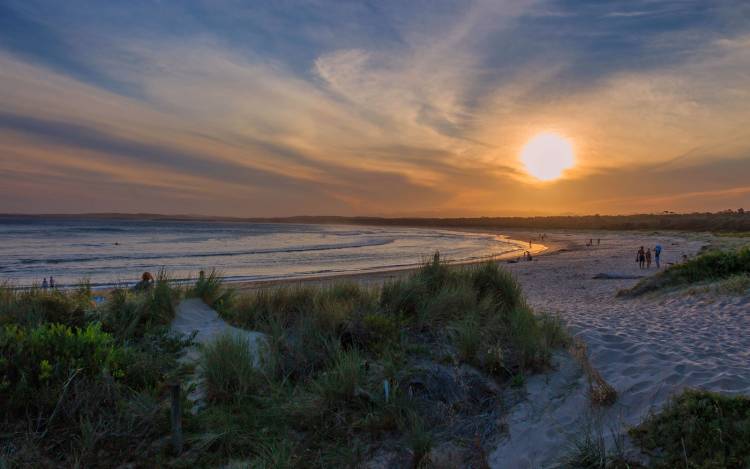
(421, 110)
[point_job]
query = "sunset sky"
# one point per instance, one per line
(381, 107)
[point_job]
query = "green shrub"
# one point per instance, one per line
(698, 429)
(36, 363)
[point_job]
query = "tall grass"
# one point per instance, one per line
(228, 368)
(211, 290)
(129, 314)
(36, 306)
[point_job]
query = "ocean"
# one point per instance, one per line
(109, 252)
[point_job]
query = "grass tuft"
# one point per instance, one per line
(228, 368)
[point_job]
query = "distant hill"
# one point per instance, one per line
(726, 221)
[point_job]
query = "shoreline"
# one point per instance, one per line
(379, 274)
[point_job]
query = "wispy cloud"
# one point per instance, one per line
(380, 108)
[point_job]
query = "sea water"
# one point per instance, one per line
(112, 251)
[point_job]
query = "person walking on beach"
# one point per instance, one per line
(648, 258)
(640, 257)
(44, 284)
(657, 254)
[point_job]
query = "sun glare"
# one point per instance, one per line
(547, 156)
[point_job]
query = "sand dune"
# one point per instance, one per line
(647, 348)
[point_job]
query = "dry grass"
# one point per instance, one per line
(601, 393)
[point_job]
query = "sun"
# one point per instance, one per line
(547, 156)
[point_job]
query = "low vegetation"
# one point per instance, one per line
(732, 266)
(698, 429)
(353, 373)
(81, 384)
(347, 374)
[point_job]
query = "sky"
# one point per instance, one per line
(387, 107)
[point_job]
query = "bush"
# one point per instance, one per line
(37, 363)
(698, 429)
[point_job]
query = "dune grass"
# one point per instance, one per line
(334, 350)
(711, 266)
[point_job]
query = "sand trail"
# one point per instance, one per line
(647, 348)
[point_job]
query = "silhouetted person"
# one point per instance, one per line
(51, 281)
(657, 255)
(648, 258)
(44, 284)
(640, 258)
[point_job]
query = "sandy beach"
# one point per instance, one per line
(647, 348)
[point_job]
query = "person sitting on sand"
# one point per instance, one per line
(147, 281)
(640, 257)
(657, 254)
(648, 258)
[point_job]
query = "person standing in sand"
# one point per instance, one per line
(640, 257)
(648, 258)
(657, 254)
(44, 283)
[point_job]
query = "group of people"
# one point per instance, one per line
(590, 242)
(50, 284)
(644, 256)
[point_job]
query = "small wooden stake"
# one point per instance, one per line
(176, 419)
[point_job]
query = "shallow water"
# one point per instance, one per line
(107, 252)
